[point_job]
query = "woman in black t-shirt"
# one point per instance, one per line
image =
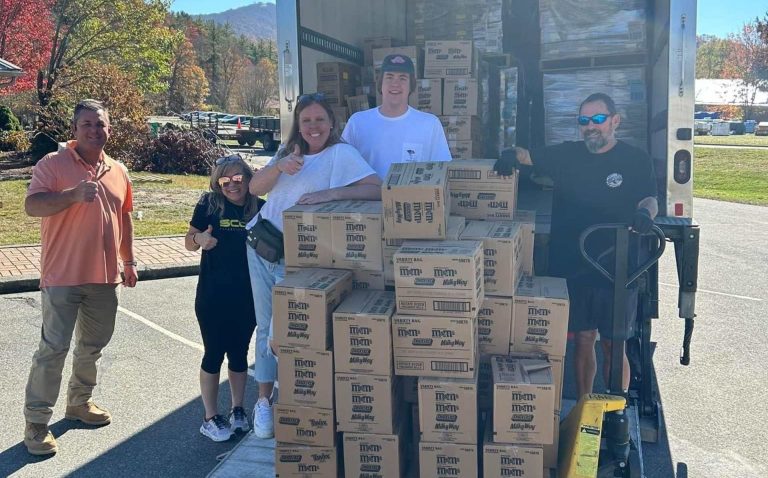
(224, 304)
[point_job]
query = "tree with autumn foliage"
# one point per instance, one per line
(21, 41)
(747, 62)
(187, 85)
(259, 87)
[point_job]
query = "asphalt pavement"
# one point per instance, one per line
(714, 409)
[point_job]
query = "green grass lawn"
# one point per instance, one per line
(729, 174)
(735, 140)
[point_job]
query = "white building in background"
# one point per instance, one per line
(728, 92)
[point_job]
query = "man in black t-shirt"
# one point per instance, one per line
(598, 180)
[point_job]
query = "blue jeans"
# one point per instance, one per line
(264, 275)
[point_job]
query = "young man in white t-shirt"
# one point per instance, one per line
(395, 132)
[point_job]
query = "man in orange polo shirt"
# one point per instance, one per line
(84, 199)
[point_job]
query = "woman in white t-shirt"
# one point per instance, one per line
(314, 166)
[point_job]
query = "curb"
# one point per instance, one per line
(31, 283)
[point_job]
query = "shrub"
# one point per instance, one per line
(14, 141)
(8, 120)
(177, 152)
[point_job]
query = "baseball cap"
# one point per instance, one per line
(399, 63)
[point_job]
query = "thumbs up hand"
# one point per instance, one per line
(292, 163)
(87, 189)
(205, 239)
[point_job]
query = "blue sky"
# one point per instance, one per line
(715, 17)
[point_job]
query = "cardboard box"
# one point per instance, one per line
(477, 192)
(302, 304)
(527, 221)
(371, 43)
(306, 377)
(304, 425)
(504, 459)
(434, 346)
(414, 198)
(367, 280)
(494, 322)
(523, 400)
(540, 316)
(428, 96)
(455, 227)
(355, 235)
(357, 103)
(341, 114)
(306, 228)
(362, 333)
(337, 80)
(415, 53)
(448, 459)
(448, 59)
(367, 403)
(439, 278)
(557, 372)
(297, 461)
(448, 410)
(502, 248)
(460, 97)
(369, 455)
(551, 451)
(465, 149)
(461, 128)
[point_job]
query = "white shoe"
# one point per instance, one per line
(263, 427)
(238, 420)
(217, 428)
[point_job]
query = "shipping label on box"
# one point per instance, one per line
(448, 459)
(439, 278)
(297, 461)
(428, 96)
(367, 280)
(362, 333)
(414, 200)
(306, 229)
(527, 221)
(448, 59)
(356, 233)
(503, 459)
(367, 403)
(434, 346)
(540, 316)
(460, 97)
(302, 304)
(523, 400)
(461, 128)
(494, 323)
(415, 53)
(448, 410)
(304, 425)
(502, 248)
(374, 456)
(306, 377)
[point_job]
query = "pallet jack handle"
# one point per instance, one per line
(685, 352)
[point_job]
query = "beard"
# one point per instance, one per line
(594, 141)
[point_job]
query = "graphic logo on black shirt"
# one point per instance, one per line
(614, 180)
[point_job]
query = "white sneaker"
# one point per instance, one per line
(217, 428)
(263, 427)
(238, 420)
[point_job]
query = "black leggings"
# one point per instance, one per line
(227, 331)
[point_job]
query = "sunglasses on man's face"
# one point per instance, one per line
(597, 119)
(227, 159)
(225, 180)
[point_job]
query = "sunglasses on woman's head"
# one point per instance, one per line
(225, 180)
(597, 119)
(227, 159)
(311, 97)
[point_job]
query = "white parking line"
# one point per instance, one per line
(705, 291)
(168, 333)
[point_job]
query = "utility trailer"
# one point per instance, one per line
(310, 32)
(265, 129)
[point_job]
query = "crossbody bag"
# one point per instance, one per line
(266, 240)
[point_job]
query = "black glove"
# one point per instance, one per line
(642, 222)
(506, 165)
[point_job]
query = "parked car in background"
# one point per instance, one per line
(761, 129)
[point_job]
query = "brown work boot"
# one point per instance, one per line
(39, 439)
(88, 413)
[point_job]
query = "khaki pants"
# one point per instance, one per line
(88, 310)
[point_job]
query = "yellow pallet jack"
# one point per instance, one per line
(601, 435)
